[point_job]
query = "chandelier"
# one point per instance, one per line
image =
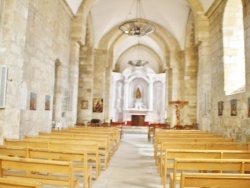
(139, 62)
(137, 27)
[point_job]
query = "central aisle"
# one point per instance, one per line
(132, 166)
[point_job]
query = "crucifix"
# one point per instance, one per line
(178, 104)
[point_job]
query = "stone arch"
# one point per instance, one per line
(166, 40)
(143, 47)
(80, 21)
(201, 20)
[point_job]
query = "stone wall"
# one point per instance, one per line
(236, 127)
(35, 35)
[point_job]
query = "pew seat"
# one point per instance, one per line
(8, 183)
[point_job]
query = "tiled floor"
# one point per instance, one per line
(132, 166)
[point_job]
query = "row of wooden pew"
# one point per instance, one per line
(58, 157)
(182, 156)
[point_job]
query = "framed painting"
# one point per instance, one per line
(248, 106)
(220, 108)
(98, 105)
(47, 102)
(33, 101)
(233, 107)
(85, 104)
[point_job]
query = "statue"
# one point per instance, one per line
(178, 105)
(138, 93)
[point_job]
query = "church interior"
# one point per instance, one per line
(124, 71)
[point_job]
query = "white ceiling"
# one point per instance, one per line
(172, 15)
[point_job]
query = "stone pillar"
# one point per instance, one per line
(86, 83)
(177, 84)
(13, 24)
(107, 102)
(99, 88)
(190, 85)
(73, 82)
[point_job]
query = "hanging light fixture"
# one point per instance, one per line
(137, 27)
(138, 62)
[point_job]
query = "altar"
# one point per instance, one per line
(137, 117)
(138, 96)
(138, 120)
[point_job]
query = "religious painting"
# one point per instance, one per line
(233, 107)
(248, 106)
(47, 102)
(33, 99)
(220, 108)
(84, 104)
(98, 105)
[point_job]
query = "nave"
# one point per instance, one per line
(132, 166)
(184, 158)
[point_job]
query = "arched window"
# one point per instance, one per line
(234, 48)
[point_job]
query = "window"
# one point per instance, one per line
(233, 48)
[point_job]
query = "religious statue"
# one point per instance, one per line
(178, 105)
(138, 93)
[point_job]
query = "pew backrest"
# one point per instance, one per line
(196, 165)
(215, 180)
(21, 168)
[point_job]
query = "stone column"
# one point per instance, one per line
(107, 95)
(86, 83)
(176, 63)
(190, 85)
(73, 82)
(99, 79)
(13, 27)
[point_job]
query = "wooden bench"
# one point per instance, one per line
(100, 131)
(167, 162)
(8, 183)
(115, 132)
(48, 172)
(113, 144)
(197, 146)
(215, 180)
(159, 143)
(103, 146)
(196, 165)
(92, 150)
(81, 158)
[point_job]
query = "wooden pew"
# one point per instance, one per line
(103, 146)
(170, 154)
(7, 183)
(215, 180)
(90, 149)
(112, 142)
(48, 172)
(197, 146)
(158, 141)
(113, 136)
(81, 158)
(160, 144)
(196, 165)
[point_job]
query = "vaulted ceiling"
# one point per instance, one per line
(170, 16)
